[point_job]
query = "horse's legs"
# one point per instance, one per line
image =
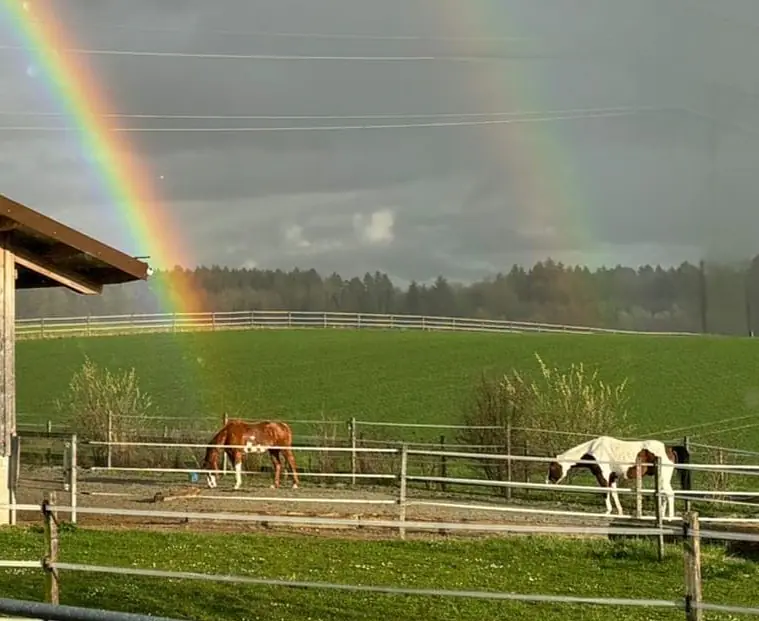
(213, 465)
(237, 460)
(274, 454)
(291, 462)
(607, 499)
(615, 495)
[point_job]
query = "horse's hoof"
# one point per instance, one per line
(272, 487)
(295, 486)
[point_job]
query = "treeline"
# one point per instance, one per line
(722, 298)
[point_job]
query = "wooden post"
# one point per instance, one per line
(15, 472)
(51, 549)
(354, 455)
(7, 368)
(443, 465)
(659, 516)
(509, 474)
(638, 488)
(109, 461)
(402, 490)
(692, 562)
(73, 477)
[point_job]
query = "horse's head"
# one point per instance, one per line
(556, 472)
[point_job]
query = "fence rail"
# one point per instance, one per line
(691, 604)
(52, 327)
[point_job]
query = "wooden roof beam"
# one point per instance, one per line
(74, 282)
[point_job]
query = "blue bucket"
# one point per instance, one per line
(194, 477)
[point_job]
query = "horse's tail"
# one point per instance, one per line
(682, 456)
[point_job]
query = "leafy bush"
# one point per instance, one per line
(96, 396)
(542, 415)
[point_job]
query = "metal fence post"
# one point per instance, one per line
(638, 488)
(692, 562)
(443, 465)
(66, 465)
(354, 455)
(109, 453)
(659, 516)
(224, 458)
(73, 475)
(402, 490)
(686, 444)
(509, 476)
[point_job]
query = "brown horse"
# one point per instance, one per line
(253, 437)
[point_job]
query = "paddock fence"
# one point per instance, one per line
(414, 479)
(91, 325)
(689, 532)
(152, 442)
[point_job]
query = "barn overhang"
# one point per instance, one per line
(35, 252)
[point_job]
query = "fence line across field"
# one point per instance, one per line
(692, 603)
(44, 327)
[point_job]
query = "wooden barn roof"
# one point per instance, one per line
(51, 254)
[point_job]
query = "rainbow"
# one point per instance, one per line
(126, 182)
(544, 183)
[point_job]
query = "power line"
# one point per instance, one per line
(543, 119)
(333, 117)
(286, 57)
(297, 35)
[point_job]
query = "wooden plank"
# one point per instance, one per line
(7, 347)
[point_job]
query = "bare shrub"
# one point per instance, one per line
(540, 412)
(96, 396)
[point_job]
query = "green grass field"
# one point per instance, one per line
(394, 376)
(547, 565)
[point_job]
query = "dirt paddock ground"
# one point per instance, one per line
(137, 491)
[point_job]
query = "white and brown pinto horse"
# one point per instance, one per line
(616, 461)
(240, 437)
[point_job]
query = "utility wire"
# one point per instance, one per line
(334, 117)
(287, 57)
(542, 119)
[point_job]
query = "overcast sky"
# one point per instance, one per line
(465, 201)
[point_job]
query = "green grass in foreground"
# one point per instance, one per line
(394, 376)
(524, 565)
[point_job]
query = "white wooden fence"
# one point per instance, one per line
(51, 327)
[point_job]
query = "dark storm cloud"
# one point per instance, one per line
(414, 202)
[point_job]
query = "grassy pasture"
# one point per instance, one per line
(396, 376)
(548, 565)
